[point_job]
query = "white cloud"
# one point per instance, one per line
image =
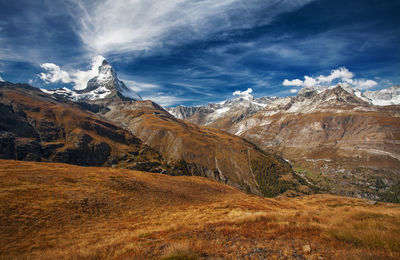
(340, 76)
(1, 79)
(79, 78)
(54, 74)
(295, 82)
(243, 93)
(364, 84)
(136, 25)
(293, 90)
(341, 73)
(309, 81)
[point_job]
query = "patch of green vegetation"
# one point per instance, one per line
(320, 182)
(393, 195)
(268, 176)
(314, 188)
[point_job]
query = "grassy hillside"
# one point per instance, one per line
(53, 211)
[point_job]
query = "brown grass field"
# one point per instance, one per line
(60, 211)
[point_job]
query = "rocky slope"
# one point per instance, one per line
(36, 126)
(335, 136)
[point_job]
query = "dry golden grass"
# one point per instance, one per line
(55, 211)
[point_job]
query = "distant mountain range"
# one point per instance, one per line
(238, 108)
(337, 137)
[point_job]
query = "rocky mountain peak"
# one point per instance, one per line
(105, 85)
(106, 73)
(105, 62)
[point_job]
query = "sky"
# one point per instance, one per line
(194, 52)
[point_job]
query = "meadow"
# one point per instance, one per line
(61, 211)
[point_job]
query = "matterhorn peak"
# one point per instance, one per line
(106, 69)
(105, 85)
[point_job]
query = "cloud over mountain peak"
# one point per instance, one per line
(338, 76)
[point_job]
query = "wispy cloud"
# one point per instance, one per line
(341, 75)
(166, 100)
(141, 86)
(140, 25)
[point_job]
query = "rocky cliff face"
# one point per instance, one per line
(35, 126)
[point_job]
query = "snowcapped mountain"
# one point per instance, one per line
(228, 113)
(311, 99)
(105, 85)
(225, 112)
(384, 97)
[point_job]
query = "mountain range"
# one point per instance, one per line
(330, 139)
(107, 124)
(100, 173)
(337, 137)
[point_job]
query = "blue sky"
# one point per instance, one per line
(195, 52)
